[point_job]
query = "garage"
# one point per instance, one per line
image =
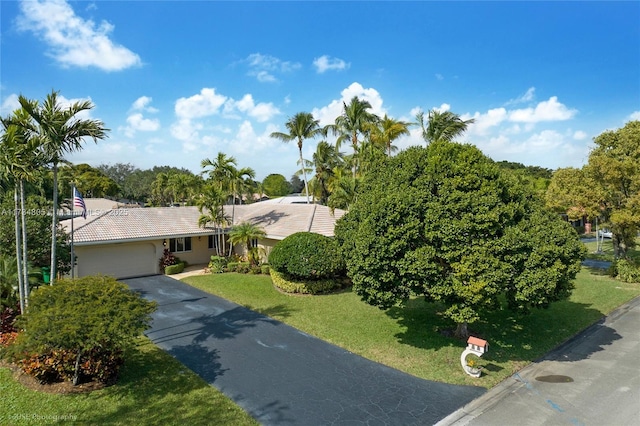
(124, 260)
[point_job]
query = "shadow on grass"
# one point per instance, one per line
(156, 389)
(280, 311)
(511, 337)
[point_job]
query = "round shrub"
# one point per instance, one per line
(307, 256)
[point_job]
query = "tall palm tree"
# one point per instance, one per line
(60, 131)
(325, 160)
(245, 233)
(220, 169)
(20, 162)
(343, 190)
(301, 126)
(387, 131)
(355, 120)
(442, 125)
(210, 204)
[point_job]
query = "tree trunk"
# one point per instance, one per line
(462, 331)
(54, 224)
(25, 265)
(76, 370)
(18, 254)
(304, 172)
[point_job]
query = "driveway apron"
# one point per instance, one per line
(281, 375)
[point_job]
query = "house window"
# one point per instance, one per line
(254, 243)
(213, 242)
(179, 245)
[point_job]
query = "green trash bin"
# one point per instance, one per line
(46, 274)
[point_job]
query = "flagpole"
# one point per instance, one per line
(73, 208)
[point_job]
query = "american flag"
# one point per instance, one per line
(78, 201)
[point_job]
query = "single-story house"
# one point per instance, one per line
(128, 242)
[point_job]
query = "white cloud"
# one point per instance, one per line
(579, 135)
(72, 40)
(484, 122)
(328, 114)
(439, 77)
(528, 96)
(136, 122)
(263, 67)
(206, 103)
(634, 116)
(327, 63)
(9, 105)
(142, 103)
(550, 110)
(443, 108)
(261, 112)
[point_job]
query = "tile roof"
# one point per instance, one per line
(278, 221)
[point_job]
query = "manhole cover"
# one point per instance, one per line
(554, 378)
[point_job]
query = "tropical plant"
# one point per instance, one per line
(385, 132)
(355, 120)
(80, 316)
(210, 204)
(58, 131)
(245, 233)
(301, 126)
(326, 159)
(9, 279)
(442, 125)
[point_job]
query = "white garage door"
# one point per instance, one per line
(118, 260)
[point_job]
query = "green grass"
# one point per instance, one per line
(154, 389)
(607, 251)
(410, 338)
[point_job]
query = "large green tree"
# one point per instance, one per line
(614, 167)
(276, 185)
(444, 222)
(59, 131)
(301, 126)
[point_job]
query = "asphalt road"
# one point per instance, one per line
(281, 375)
(594, 379)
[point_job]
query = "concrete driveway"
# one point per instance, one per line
(594, 379)
(281, 375)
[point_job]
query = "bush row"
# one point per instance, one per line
(626, 270)
(291, 285)
(219, 264)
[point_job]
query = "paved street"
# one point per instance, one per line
(592, 380)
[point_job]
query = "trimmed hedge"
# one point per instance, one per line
(291, 285)
(307, 256)
(174, 269)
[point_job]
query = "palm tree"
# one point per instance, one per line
(325, 160)
(442, 125)
(59, 131)
(210, 204)
(20, 163)
(355, 120)
(343, 190)
(220, 169)
(245, 233)
(301, 126)
(386, 131)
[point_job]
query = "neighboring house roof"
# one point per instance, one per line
(139, 224)
(288, 199)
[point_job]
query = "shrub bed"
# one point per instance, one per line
(627, 271)
(291, 285)
(307, 256)
(174, 269)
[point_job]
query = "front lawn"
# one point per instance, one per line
(154, 389)
(414, 338)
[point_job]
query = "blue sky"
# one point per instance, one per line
(180, 81)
